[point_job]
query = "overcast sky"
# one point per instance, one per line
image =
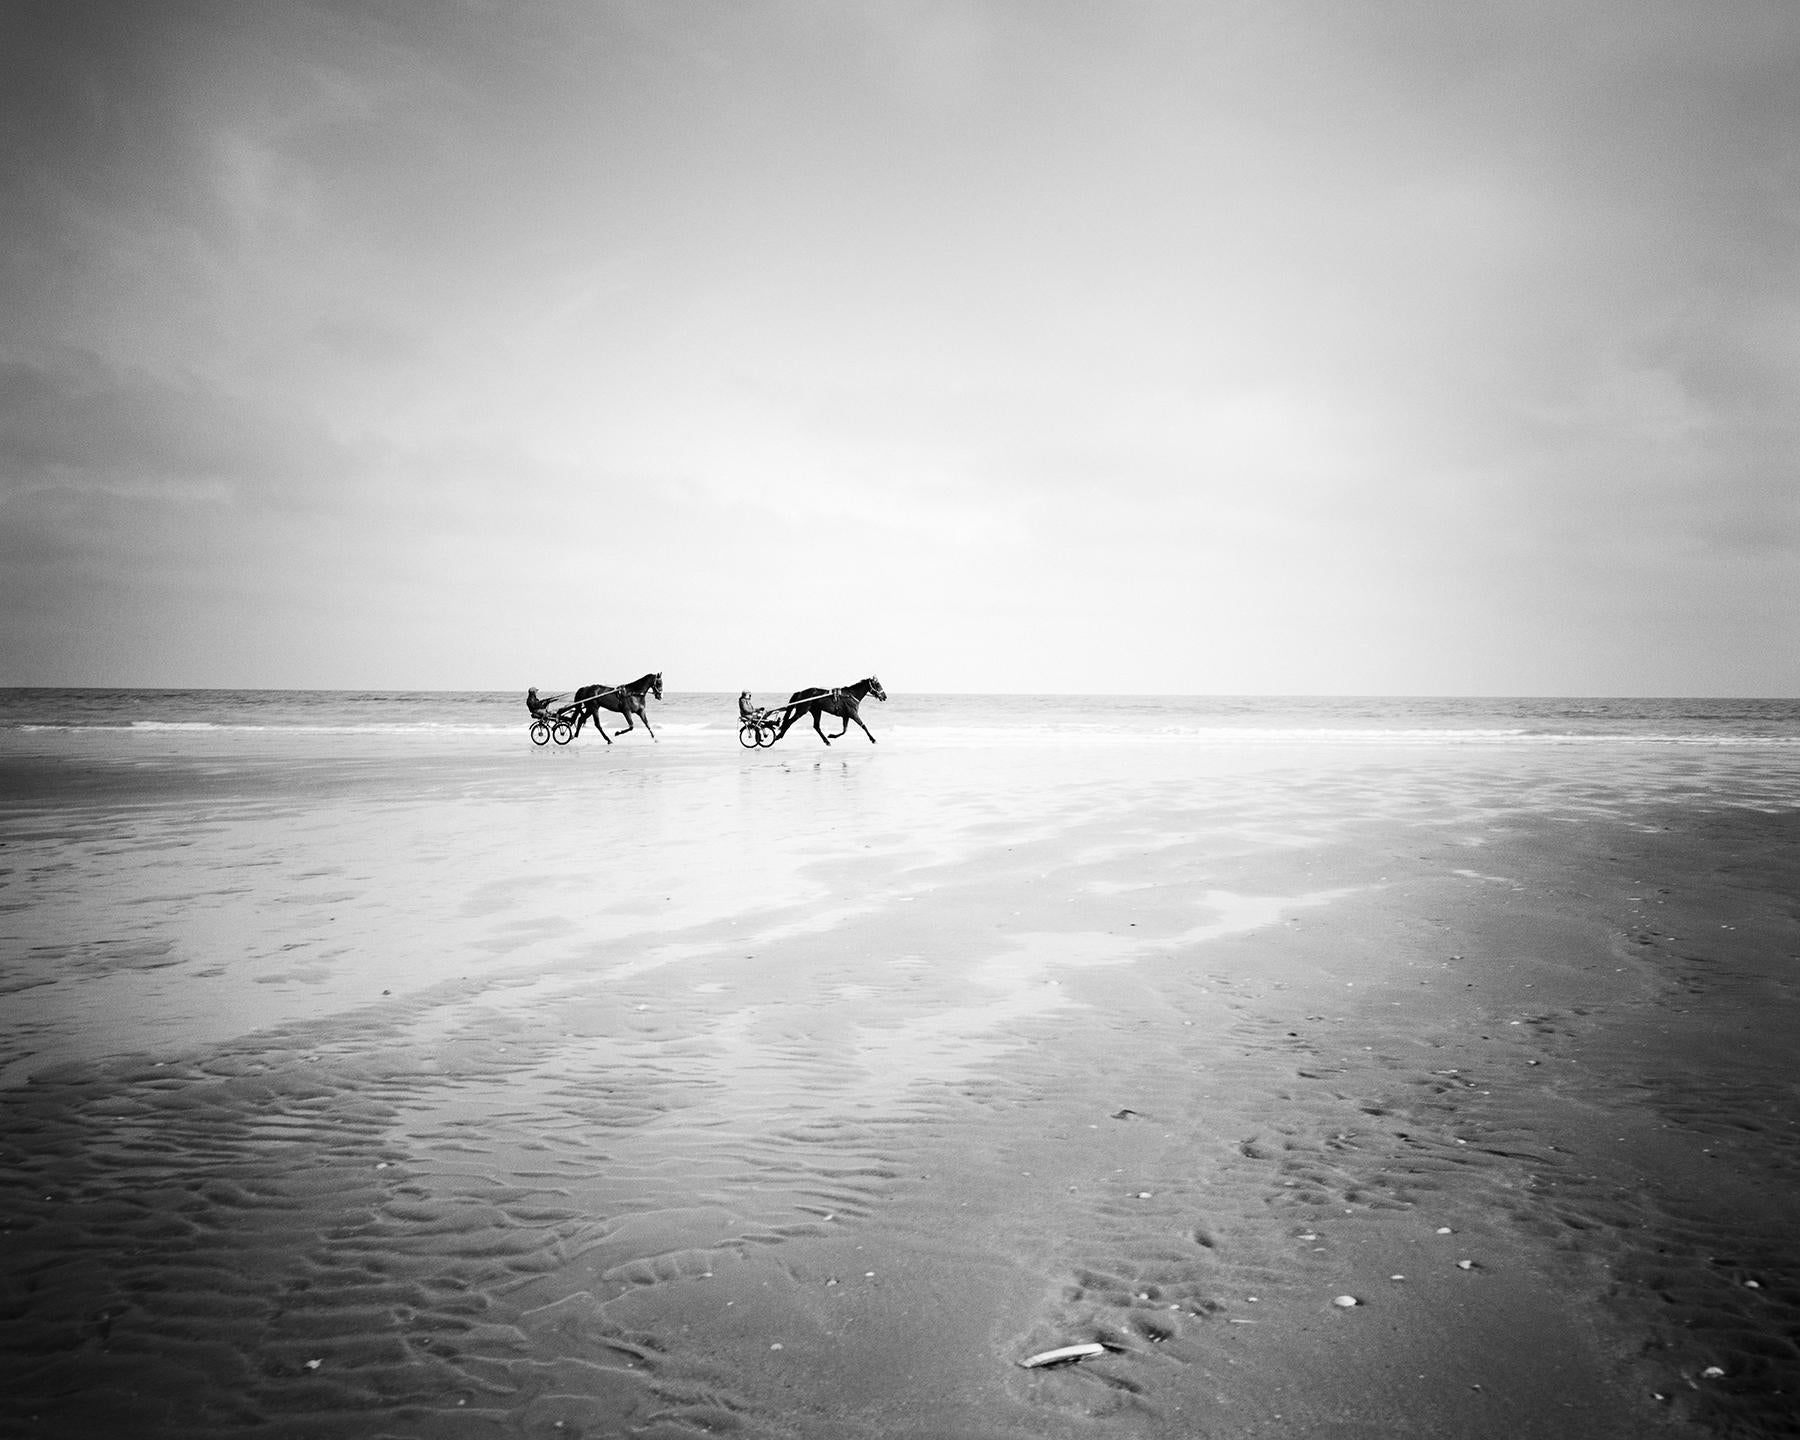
(1346, 346)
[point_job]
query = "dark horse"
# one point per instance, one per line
(626, 700)
(842, 703)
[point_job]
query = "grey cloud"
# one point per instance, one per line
(366, 342)
(79, 422)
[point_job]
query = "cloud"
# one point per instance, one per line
(78, 423)
(1229, 343)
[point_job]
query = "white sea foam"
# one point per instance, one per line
(1064, 734)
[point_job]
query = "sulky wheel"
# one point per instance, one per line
(749, 736)
(562, 732)
(765, 734)
(540, 733)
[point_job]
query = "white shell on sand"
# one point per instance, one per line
(1346, 1302)
(1064, 1352)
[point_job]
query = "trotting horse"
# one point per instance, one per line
(842, 703)
(626, 700)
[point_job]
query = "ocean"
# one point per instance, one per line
(457, 718)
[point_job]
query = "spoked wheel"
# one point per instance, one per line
(765, 735)
(540, 733)
(562, 732)
(749, 735)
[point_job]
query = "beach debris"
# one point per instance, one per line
(314, 1364)
(1444, 1230)
(1346, 1302)
(1063, 1354)
(1713, 1372)
(776, 1345)
(1465, 1265)
(1124, 1114)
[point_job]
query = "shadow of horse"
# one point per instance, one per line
(626, 700)
(842, 703)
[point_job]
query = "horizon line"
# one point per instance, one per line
(1019, 693)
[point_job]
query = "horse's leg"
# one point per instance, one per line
(818, 712)
(633, 712)
(593, 711)
(852, 712)
(790, 717)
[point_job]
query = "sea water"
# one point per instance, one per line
(456, 718)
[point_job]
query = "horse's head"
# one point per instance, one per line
(656, 684)
(875, 689)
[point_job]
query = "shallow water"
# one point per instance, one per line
(448, 718)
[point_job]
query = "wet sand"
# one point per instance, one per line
(672, 1091)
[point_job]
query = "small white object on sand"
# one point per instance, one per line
(1063, 1352)
(1346, 1302)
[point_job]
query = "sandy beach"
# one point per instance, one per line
(668, 1091)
